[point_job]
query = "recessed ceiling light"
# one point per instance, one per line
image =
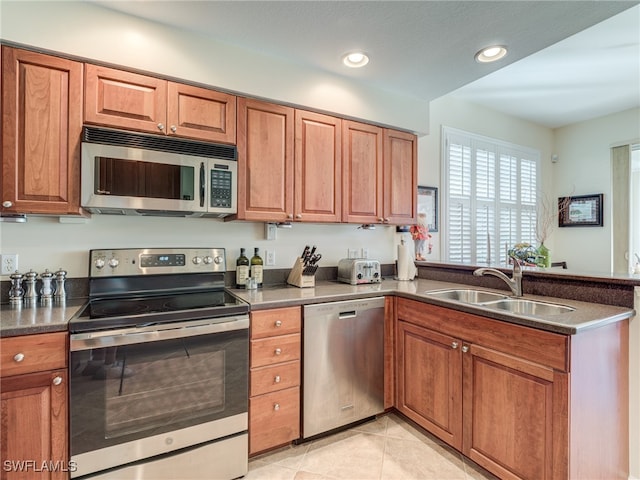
(355, 59)
(491, 54)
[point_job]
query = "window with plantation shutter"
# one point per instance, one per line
(489, 198)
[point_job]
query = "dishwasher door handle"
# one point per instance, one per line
(349, 314)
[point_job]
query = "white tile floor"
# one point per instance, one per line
(383, 449)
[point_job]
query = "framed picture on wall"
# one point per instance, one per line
(428, 204)
(580, 211)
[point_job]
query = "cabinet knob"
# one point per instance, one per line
(276, 406)
(454, 345)
(299, 215)
(289, 216)
(278, 351)
(465, 348)
(160, 126)
(278, 323)
(276, 379)
(57, 380)
(386, 220)
(18, 357)
(381, 219)
(174, 129)
(7, 204)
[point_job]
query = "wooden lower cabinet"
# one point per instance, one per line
(521, 402)
(34, 408)
(274, 395)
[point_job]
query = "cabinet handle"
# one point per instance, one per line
(57, 380)
(276, 406)
(465, 348)
(278, 351)
(174, 129)
(278, 323)
(454, 345)
(276, 379)
(7, 204)
(160, 126)
(18, 357)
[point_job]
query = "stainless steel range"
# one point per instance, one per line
(159, 368)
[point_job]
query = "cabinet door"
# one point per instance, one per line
(508, 414)
(41, 127)
(34, 426)
(400, 177)
(318, 165)
(200, 113)
(120, 99)
(429, 377)
(265, 161)
(362, 173)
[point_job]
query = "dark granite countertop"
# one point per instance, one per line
(586, 315)
(27, 320)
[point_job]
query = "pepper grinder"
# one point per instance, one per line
(60, 295)
(47, 288)
(16, 293)
(30, 295)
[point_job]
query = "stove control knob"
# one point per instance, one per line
(218, 259)
(208, 260)
(99, 263)
(113, 262)
(197, 260)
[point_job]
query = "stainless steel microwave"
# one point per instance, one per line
(126, 173)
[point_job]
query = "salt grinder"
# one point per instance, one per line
(60, 295)
(30, 295)
(16, 293)
(47, 288)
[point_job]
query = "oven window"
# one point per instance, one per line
(125, 393)
(134, 178)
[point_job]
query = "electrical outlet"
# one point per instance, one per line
(364, 252)
(9, 263)
(352, 253)
(270, 257)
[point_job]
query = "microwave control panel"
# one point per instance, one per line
(221, 188)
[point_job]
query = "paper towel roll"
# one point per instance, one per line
(406, 267)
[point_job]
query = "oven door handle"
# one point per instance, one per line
(155, 333)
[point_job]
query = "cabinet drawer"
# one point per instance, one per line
(32, 353)
(268, 351)
(279, 321)
(274, 419)
(274, 378)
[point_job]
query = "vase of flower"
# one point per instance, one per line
(544, 256)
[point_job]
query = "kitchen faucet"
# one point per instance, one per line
(515, 283)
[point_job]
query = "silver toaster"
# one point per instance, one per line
(357, 271)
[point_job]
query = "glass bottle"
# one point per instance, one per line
(242, 269)
(257, 267)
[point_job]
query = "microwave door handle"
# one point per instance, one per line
(202, 180)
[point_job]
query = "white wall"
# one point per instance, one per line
(451, 112)
(583, 168)
(89, 31)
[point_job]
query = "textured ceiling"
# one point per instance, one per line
(421, 48)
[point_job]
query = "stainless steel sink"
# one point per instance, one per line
(466, 295)
(528, 307)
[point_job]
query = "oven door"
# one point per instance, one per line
(141, 392)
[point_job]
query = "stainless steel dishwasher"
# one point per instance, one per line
(343, 379)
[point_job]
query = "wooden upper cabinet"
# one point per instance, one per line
(400, 177)
(362, 173)
(41, 127)
(318, 167)
(120, 99)
(265, 161)
(200, 113)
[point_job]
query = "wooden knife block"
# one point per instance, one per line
(298, 279)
